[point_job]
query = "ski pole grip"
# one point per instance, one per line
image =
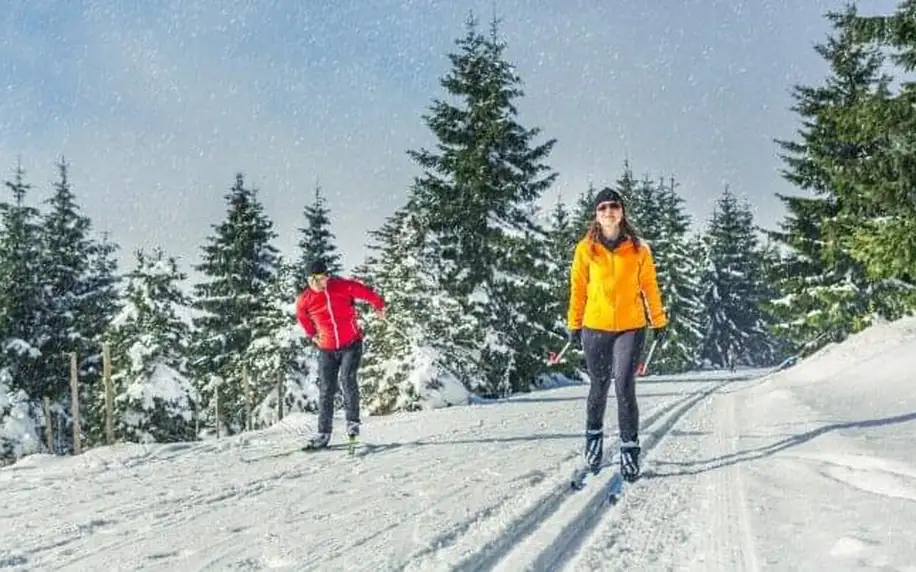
(555, 358)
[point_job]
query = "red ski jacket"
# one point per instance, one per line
(329, 316)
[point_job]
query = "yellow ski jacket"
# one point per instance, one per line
(614, 290)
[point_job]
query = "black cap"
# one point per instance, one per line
(318, 267)
(607, 195)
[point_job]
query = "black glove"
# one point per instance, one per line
(575, 337)
(660, 333)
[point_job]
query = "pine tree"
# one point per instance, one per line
(280, 357)
(22, 304)
(561, 246)
(101, 301)
(626, 186)
(584, 211)
(678, 266)
(316, 241)
(412, 358)
(78, 281)
(642, 208)
(239, 265)
(735, 323)
(876, 188)
(155, 399)
(824, 291)
(478, 196)
(564, 234)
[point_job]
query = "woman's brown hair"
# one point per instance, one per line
(626, 229)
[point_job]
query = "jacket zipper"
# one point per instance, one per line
(614, 304)
(327, 298)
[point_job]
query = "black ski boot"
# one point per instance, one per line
(629, 460)
(594, 449)
(318, 441)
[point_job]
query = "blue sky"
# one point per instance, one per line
(156, 105)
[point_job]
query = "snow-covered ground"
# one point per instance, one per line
(810, 468)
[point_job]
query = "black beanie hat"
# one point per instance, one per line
(607, 195)
(318, 267)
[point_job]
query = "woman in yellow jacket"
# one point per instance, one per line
(613, 296)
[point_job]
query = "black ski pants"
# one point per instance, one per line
(337, 369)
(613, 356)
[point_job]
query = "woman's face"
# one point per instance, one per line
(609, 213)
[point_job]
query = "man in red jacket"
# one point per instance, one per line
(326, 312)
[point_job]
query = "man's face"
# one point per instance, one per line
(318, 282)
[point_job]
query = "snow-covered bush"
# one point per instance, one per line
(19, 428)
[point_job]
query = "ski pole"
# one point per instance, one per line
(554, 358)
(644, 366)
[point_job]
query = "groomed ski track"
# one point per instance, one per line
(800, 470)
(467, 488)
(547, 532)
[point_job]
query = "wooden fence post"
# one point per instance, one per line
(109, 397)
(249, 398)
(216, 404)
(75, 398)
(49, 433)
(280, 397)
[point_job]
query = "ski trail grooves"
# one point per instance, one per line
(727, 542)
(551, 544)
(696, 518)
(488, 529)
(736, 490)
(495, 538)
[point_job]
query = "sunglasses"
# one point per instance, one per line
(612, 206)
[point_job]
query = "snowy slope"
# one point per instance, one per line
(813, 468)
(805, 469)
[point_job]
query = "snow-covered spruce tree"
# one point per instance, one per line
(582, 215)
(478, 194)
(102, 299)
(154, 397)
(825, 294)
(735, 327)
(67, 245)
(280, 357)
(239, 264)
(642, 197)
(22, 304)
(563, 235)
(412, 357)
(875, 189)
(678, 265)
(584, 212)
(316, 241)
(771, 268)
(21, 308)
(79, 281)
(20, 422)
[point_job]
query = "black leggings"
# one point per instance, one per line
(613, 356)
